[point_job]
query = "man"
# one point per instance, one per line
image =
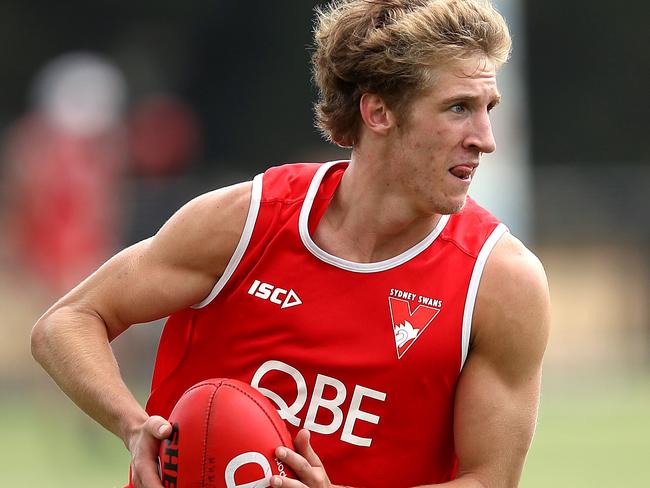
(398, 327)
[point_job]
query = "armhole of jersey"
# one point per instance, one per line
(244, 240)
(474, 282)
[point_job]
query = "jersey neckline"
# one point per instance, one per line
(303, 227)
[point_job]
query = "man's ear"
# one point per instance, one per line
(376, 115)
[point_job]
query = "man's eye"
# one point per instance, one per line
(457, 109)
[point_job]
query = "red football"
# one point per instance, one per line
(224, 436)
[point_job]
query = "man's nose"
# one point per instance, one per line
(481, 136)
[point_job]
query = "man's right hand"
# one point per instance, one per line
(144, 446)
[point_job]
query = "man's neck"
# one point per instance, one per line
(370, 220)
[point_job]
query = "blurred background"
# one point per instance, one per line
(113, 114)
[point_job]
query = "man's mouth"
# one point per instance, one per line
(463, 171)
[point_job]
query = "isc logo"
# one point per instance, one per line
(274, 294)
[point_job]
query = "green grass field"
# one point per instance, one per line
(592, 436)
(586, 437)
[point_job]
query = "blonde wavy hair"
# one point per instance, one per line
(391, 48)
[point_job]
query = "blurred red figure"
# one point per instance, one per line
(65, 162)
(164, 136)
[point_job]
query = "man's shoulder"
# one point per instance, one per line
(205, 231)
(513, 305)
(511, 259)
(217, 210)
(513, 273)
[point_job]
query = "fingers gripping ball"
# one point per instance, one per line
(224, 436)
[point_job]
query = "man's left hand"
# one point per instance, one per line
(304, 462)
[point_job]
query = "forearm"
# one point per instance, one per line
(74, 349)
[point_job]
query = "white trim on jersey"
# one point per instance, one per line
(251, 218)
(472, 291)
(350, 265)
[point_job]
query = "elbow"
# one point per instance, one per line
(43, 334)
(38, 339)
(64, 328)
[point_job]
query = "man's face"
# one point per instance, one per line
(437, 148)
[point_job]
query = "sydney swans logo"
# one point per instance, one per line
(408, 325)
(404, 333)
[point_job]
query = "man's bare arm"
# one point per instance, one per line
(498, 391)
(172, 270)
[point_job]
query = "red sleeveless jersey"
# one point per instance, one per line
(364, 355)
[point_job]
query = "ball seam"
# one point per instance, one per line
(259, 406)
